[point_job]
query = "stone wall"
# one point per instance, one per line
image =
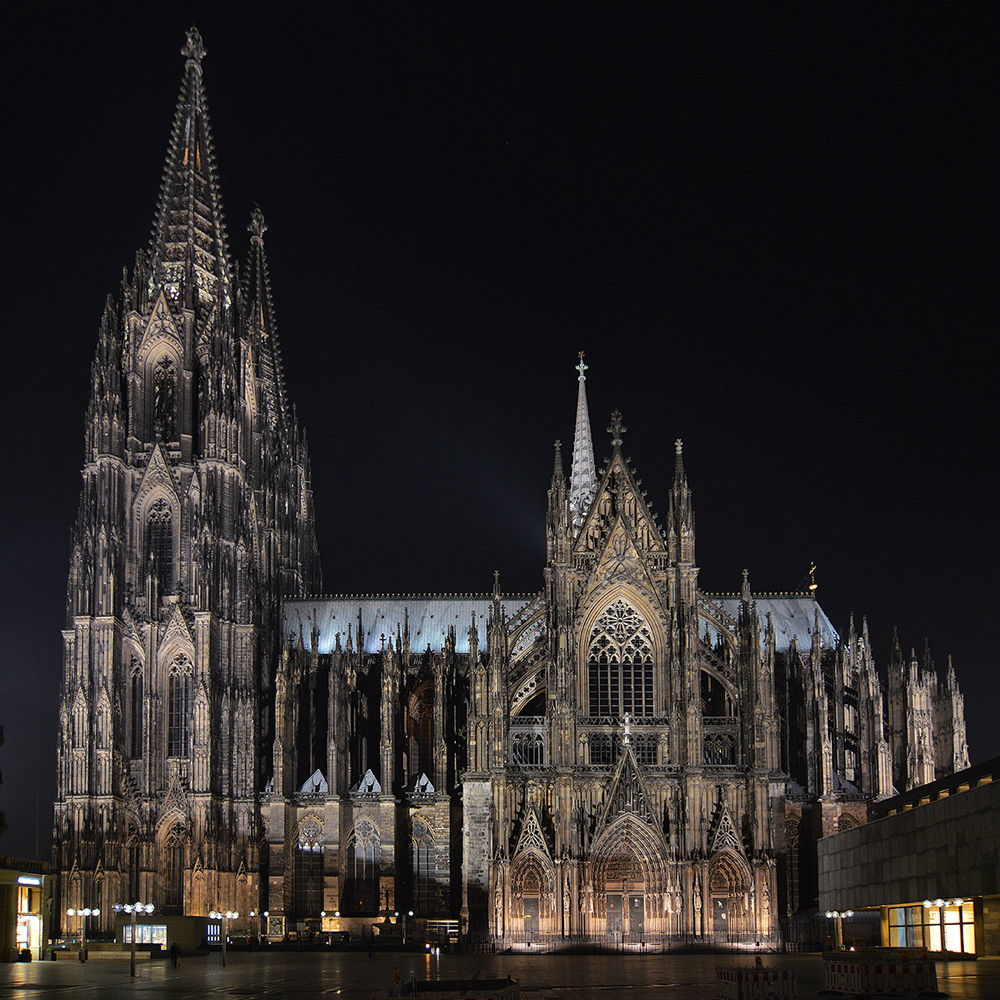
(949, 847)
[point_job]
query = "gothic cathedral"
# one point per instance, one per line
(618, 758)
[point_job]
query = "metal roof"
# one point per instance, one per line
(429, 615)
(793, 616)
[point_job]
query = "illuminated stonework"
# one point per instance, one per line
(620, 758)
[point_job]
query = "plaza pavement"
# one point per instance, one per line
(351, 974)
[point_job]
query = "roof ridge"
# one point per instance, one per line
(406, 596)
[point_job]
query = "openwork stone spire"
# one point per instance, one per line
(583, 475)
(189, 255)
(262, 327)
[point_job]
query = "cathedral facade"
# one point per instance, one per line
(619, 758)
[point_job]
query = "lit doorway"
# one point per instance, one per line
(720, 918)
(530, 919)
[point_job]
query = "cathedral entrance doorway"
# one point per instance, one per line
(626, 913)
(531, 910)
(729, 884)
(720, 918)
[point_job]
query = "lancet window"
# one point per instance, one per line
(173, 868)
(620, 663)
(421, 730)
(309, 868)
(135, 711)
(179, 707)
(423, 868)
(160, 545)
(364, 862)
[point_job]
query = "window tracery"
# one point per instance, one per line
(423, 868)
(421, 730)
(160, 544)
(178, 707)
(173, 867)
(620, 663)
(364, 862)
(308, 874)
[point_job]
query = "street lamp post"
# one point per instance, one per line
(83, 914)
(838, 916)
(225, 918)
(132, 909)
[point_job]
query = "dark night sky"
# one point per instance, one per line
(770, 228)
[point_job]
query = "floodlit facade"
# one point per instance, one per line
(618, 758)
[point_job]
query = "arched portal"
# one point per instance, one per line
(729, 883)
(532, 886)
(627, 877)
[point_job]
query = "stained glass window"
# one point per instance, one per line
(620, 663)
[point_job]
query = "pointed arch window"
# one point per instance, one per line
(134, 849)
(160, 545)
(421, 730)
(173, 868)
(620, 663)
(423, 868)
(179, 707)
(135, 710)
(308, 882)
(364, 863)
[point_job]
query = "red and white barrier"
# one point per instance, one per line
(755, 984)
(881, 976)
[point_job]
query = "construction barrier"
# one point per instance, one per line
(881, 977)
(755, 983)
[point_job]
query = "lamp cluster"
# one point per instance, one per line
(839, 913)
(229, 915)
(928, 903)
(85, 912)
(136, 908)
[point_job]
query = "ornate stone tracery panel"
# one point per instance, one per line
(620, 663)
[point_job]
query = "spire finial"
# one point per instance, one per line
(617, 429)
(581, 368)
(257, 226)
(193, 49)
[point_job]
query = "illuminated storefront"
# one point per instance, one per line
(23, 909)
(935, 925)
(927, 860)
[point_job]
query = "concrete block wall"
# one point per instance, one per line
(946, 848)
